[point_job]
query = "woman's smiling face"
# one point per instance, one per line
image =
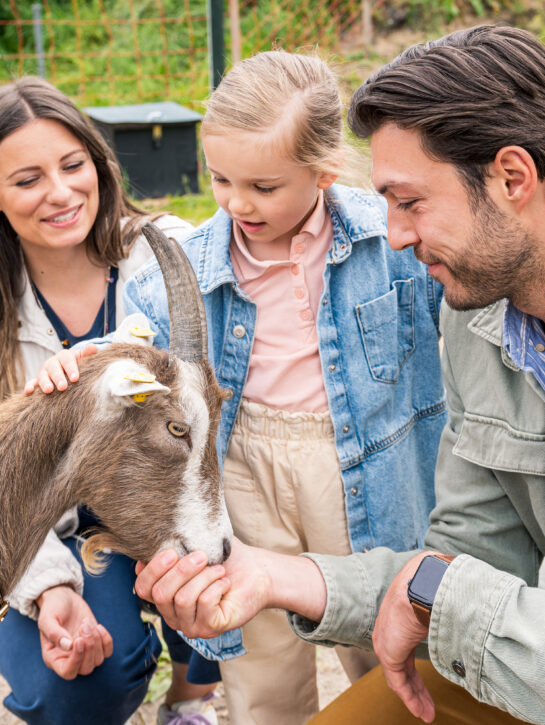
(48, 186)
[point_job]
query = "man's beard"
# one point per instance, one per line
(501, 260)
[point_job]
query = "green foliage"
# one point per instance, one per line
(108, 52)
(126, 54)
(431, 14)
(160, 681)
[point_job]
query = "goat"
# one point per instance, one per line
(134, 440)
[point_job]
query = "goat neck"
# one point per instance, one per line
(34, 488)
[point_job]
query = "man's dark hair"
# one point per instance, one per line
(468, 94)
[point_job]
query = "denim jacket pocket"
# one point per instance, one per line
(387, 329)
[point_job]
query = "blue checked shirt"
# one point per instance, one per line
(524, 340)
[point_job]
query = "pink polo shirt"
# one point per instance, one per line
(285, 371)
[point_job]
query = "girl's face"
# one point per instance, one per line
(48, 186)
(267, 195)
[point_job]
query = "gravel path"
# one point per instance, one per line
(331, 682)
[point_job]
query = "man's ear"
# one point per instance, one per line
(516, 170)
(325, 180)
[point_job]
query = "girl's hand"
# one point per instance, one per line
(55, 370)
(205, 601)
(72, 641)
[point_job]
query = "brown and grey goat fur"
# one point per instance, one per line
(63, 449)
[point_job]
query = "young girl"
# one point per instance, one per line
(68, 241)
(326, 343)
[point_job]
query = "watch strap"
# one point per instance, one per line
(422, 613)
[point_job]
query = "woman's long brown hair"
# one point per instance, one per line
(22, 101)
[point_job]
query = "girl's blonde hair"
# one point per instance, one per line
(287, 96)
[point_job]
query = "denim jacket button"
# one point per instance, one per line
(354, 491)
(228, 394)
(239, 330)
(332, 368)
(459, 668)
(346, 428)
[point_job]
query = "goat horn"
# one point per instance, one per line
(188, 336)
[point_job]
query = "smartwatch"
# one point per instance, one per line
(425, 583)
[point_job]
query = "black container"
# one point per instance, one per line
(155, 143)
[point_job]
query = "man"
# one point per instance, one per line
(457, 133)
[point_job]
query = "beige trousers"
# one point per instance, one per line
(284, 492)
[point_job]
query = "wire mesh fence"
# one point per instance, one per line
(108, 52)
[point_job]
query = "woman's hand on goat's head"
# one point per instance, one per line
(72, 641)
(57, 368)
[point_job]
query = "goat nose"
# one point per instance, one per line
(226, 549)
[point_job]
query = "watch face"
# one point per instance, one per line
(425, 583)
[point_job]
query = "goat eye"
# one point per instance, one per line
(179, 430)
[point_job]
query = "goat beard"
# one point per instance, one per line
(95, 550)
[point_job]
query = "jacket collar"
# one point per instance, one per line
(34, 325)
(355, 216)
(488, 324)
(350, 224)
(214, 266)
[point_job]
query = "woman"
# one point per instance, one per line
(69, 238)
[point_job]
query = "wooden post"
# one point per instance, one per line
(38, 37)
(234, 27)
(367, 22)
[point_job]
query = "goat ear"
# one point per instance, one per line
(126, 382)
(136, 330)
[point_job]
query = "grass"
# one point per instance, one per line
(194, 208)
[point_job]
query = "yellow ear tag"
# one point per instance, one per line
(140, 397)
(141, 331)
(138, 377)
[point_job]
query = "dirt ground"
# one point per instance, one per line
(331, 682)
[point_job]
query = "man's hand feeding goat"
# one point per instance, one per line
(134, 440)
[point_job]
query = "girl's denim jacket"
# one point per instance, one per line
(378, 340)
